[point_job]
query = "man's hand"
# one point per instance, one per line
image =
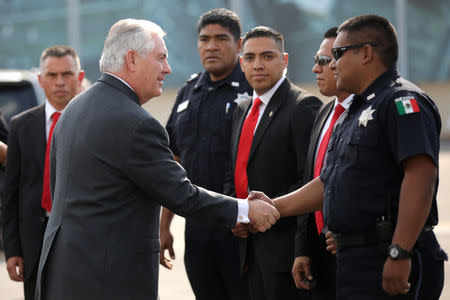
(254, 195)
(331, 242)
(12, 264)
(301, 272)
(395, 276)
(241, 230)
(166, 240)
(262, 215)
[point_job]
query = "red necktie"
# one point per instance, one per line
(46, 201)
(245, 143)
(321, 155)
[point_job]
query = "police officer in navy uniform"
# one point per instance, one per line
(380, 181)
(200, 130)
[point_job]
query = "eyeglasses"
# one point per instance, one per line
(339, 51)
(322, 60)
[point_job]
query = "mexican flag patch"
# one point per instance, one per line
(406, 105)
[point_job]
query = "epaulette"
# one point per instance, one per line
(192, 77)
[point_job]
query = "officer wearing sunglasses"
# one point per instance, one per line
(381, 183)
(378, 188)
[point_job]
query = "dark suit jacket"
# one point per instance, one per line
(23, 222)
(111, 169)
(276, 165)
(306, 237)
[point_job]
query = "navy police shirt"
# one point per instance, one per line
(200, 125)
(390, 121)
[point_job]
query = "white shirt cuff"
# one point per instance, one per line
(242, 216)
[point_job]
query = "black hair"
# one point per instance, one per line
(264, 31)
(373, 28)
(224, 17)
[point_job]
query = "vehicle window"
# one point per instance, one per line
(15, 98)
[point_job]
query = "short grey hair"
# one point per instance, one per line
(124, 35)
(59, 51)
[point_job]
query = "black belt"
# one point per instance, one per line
(359, 239)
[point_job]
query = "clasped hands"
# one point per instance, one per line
(262, 214)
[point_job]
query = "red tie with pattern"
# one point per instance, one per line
(245, 143)
(46, 201)
(321, 155)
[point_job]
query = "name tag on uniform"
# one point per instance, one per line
(182, 106)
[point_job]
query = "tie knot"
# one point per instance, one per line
(55, 116)
(339, 110)
(256, 103)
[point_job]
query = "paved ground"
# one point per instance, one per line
(174, 285)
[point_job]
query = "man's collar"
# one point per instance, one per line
(232, 79)
(50, 110)
(265, 98)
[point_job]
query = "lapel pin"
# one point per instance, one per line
(271, 114)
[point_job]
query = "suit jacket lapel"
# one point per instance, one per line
(40, 140)
(240, 121)
(269, 113)
(321, 124)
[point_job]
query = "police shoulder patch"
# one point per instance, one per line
(406, 105)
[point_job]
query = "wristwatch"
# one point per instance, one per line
(395, 252)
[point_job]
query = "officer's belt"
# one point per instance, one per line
(367, 238)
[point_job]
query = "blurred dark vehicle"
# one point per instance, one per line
(19, 91)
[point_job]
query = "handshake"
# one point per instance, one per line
(261, 212)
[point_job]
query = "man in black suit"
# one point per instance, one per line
(314, 267)
(270, 140)
(111, 169)
(24, 216)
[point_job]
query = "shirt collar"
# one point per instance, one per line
(233, 79)
(50, 110)
(126, 83)
(265, 98)
(380, 83)
(346, 103)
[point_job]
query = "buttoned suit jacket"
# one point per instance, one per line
(111, 169)
(23, 215)
(276, 165)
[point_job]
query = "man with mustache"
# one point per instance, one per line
(314, 267)
(26, 202)
(378, 189)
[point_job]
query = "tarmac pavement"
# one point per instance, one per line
(174, 285)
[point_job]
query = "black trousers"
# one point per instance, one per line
(211, 259)
(359, 273)
(271, 285)
(324, 270)
(29, 286)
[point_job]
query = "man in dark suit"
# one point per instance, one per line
(23, 206)
(314, 267)
(111, 169)
(270, 140)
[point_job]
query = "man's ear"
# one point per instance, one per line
(368, 54)
(130, 59)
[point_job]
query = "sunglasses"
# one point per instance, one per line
(322, 60)
(339, 51)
